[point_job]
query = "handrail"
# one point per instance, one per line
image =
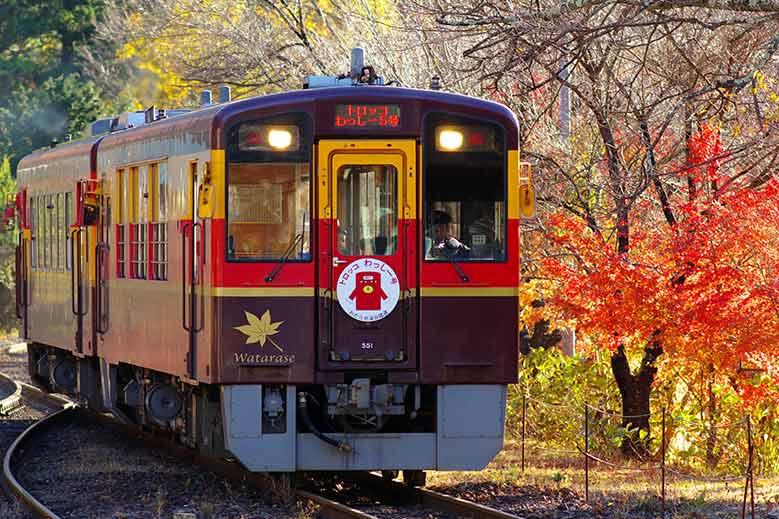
(184, 281)
(102, 322)
(18, 279)
(200, 313)
(73, 257)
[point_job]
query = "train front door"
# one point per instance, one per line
(368, 253)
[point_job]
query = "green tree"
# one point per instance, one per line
(7, 242)
(48, 94)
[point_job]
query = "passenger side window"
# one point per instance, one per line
(60, 228)
(138, 218)
(121, 222)
(47, 231)
(68, 223)
(34, 233)
(158, 253)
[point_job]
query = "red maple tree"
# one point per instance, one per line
(703, 287)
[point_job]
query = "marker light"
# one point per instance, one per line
(280, 139)
(450, 140)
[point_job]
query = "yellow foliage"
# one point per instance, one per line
(535, 291)
(195, 32)
(758, 81)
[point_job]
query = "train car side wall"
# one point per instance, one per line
(50, 189)
(149, 185)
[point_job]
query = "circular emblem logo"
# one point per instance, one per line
(368, 289)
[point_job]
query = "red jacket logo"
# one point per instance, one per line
(367, 292)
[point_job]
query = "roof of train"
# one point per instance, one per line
(211, 121)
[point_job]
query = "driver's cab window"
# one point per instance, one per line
(269, 190)
(465, 191)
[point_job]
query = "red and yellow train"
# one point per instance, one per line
(325, 279)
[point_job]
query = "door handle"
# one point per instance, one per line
(338, 261)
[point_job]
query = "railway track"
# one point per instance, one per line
(377, 498)
(49, 412)
(45, 412)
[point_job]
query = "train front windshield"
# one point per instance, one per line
(269, 191)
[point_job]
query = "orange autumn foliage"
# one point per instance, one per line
(707, 288)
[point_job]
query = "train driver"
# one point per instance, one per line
(441, 243)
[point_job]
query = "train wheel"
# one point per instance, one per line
(414, 478)
(163, 402)
(389, 475)
(65, 375)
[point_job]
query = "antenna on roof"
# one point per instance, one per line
(358, 62)
(359, 74)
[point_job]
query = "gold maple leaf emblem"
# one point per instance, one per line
(260, 329)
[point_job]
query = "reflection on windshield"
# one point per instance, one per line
(268, 207)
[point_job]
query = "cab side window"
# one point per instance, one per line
(269, 190)
(465, 190)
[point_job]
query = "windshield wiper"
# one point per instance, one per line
(284, 257)
(460, 272)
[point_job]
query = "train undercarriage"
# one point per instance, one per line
(364, 424)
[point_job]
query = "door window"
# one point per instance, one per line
(367, 210)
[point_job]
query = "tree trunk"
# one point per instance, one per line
(635, 390)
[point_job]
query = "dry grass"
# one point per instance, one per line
(626, 490)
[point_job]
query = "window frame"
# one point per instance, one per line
(68, 205)
(49, 209)
(305, 151)
(60, 215)
(34, 232)
(158, 230)
(428, 149)
(121, 222)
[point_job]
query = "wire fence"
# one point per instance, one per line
(586, 412)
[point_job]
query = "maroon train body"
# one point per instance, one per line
(324, 279)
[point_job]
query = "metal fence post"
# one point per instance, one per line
(662, 468)
(748, 481)
(524, 418)
(586, 453)
(751, 466)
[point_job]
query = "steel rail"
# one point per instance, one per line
(66, 411)
(331, 509)
(460, 507)
(437, 500)
(12, 401)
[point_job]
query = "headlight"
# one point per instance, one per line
(279, 139)
(450, 140)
